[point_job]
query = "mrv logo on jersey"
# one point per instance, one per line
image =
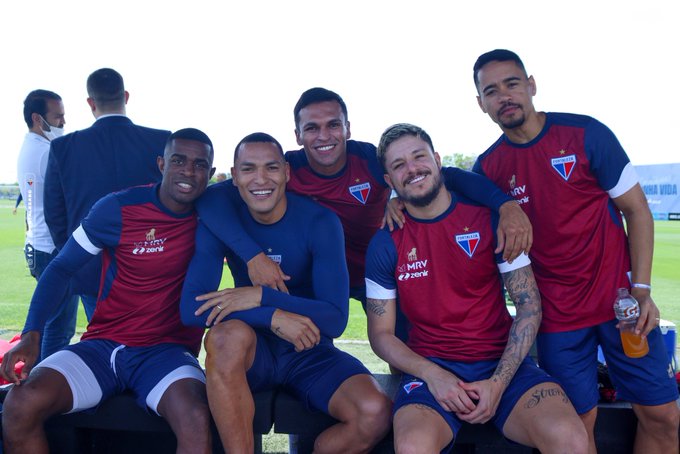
(150, 245)
(414, 268)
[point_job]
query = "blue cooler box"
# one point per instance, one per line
(670, 339)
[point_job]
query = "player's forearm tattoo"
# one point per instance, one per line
(522, 288)
(376, 306)
(538, 395)
(278, 332)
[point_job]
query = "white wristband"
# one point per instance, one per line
(645, 286)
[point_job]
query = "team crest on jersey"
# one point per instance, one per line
(275, 258)
(564, 165)
(408, 387)
(468, 242)
(360, 192)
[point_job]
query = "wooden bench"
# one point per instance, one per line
(119, 425)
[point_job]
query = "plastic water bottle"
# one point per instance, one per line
(627, 312)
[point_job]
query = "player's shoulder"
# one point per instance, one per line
(363, 150)
(296, 158)
(306, 210)
(593, 128)
(219, 190)
(306, 206)
(569, 119)
(134, 195)
(488, 152)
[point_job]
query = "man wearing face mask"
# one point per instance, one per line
(112, 154)
(44, 116)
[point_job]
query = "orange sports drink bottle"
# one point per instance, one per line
(627, 311)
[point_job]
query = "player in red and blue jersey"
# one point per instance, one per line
(465, 358)
(345, 176)
(136, 339)
(268, 338)
(573, 179)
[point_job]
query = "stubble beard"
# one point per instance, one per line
(424, 200)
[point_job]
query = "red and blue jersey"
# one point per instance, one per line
(146, 251)
(357, 194)
(446, 277)
(564, 180)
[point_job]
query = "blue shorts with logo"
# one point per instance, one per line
(412, 390)
(571, 357)
(311, 375)
(97, 369)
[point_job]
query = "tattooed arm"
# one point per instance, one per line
(523, 291)
(444, 386)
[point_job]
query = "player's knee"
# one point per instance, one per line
(22, 409)
(229, 339)
(374, 415)
(411, 442)
(194, 425)
(662, 419)
(568, 436)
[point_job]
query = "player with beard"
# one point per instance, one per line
(573, 179)
(465, 359)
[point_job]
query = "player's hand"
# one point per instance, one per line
(649, 312)
(296, 329)
(488, 394)
(26, 350)
(445, 388)
(393, 214)
(515, 234)
(224, 302)
(265, 272)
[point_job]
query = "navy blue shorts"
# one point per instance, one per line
(571, 357)
(413, 390)
(312, 375)
(97, 369)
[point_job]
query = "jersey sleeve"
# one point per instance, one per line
(329, 310)
(54, 283)
(474, 186)
(100, 228)
(381, 262)
(608, 160)
(217, 209)
(103, 224)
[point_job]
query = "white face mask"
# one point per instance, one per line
(53, 133)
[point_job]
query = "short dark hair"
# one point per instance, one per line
(396, 132)
(316, 95)
(495, 55)
(191, 134)
(105, 86)
(36, 102)
(257, 137)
